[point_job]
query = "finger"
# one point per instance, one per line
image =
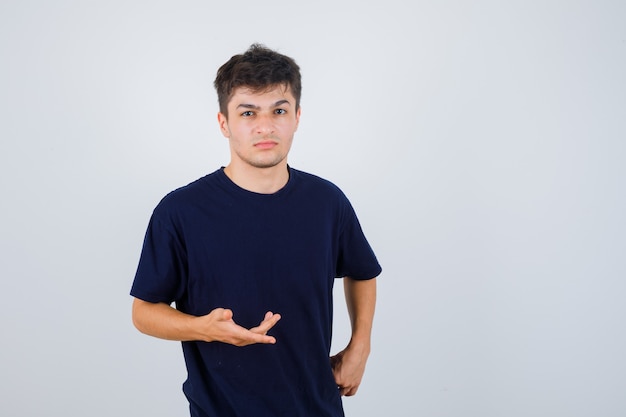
(269, 322)
(253, 337)
(347, 391)
(272, 317)
(241, 336)
(266, 339)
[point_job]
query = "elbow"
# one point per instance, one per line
(137, 315)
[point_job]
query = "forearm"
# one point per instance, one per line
(361, 302)
(349, 364)
(163, 321)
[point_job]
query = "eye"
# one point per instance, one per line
(280, 111)
(247, 113)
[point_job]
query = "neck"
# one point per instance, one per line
(258, 180)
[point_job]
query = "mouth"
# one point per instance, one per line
(265, 144)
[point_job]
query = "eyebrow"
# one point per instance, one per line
(255, 107)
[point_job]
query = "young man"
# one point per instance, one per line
(249, 254)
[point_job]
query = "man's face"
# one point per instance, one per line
(260, 126)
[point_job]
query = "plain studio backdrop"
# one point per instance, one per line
(482, 143)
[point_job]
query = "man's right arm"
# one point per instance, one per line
(165, 322)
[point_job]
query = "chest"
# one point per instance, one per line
(260, 255)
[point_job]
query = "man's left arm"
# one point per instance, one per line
(349, 364)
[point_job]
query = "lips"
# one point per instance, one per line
(266, 144)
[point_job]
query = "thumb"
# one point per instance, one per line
(227, 314)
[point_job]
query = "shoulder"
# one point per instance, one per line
(313, 183)
(322, 196)
(187, 196)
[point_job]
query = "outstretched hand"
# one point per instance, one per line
(348, 368)
(220, 327)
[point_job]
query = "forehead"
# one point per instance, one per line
(269, 95)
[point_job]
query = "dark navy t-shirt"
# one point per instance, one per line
(213, 244)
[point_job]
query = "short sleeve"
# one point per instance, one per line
(356, 258)
(162, 271)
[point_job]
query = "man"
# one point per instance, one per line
(249, 254)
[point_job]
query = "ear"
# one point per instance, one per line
(222, 120)
(298, 117)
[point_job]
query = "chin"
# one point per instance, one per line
(266, 164)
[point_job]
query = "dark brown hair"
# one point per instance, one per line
(260, 69)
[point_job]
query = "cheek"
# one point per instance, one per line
(234, 131)
(289, 126)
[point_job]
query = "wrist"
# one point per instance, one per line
(361, 345)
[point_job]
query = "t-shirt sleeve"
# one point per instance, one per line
(356, 258)
(162, 270)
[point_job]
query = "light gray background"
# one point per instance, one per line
(482, 144)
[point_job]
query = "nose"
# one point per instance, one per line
(265, 125)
